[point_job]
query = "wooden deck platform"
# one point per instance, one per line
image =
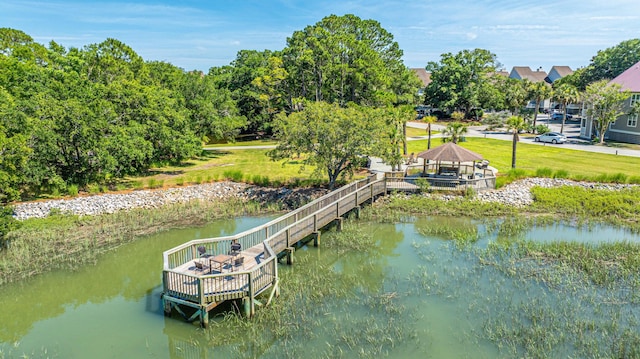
(186, 285)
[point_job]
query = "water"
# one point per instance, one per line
(416, 296)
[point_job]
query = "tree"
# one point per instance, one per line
(429, 120)
(344, 59)
(328, 137)
(453, 132)
(13, 150)
(238, 78)
(539, 91)
(611, 62)
(515, 124)
(566, 94)
(604, 104)
(457, 80)
(515, 94)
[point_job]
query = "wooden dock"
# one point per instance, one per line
(191, 280)
(201, 289)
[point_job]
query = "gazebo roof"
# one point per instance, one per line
(450, 152)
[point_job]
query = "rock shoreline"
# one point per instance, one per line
(515, 194)
(147, 199)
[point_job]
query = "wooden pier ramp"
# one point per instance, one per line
(193, 283)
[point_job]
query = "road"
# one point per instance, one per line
(571, 129)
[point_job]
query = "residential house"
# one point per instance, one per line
(424, 76)
(625, 128)
(558, 72)
(525, 72)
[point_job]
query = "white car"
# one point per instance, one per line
(552, 137)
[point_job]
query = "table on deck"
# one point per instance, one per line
(220, 260)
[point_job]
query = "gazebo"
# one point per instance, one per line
(449, 152)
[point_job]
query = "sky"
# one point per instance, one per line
(198, 35)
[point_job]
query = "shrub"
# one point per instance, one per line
(180, 181)
(72, 190)
(544, 172)
(423, 185)
(457, 115)
(233, 175)
(618, 178)
(561, 174)
(542, 129)
(7, 224)
(137, 185)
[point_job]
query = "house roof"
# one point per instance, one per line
(424, 75)
(450, 152)
(562, 71)
(629, 79)
(525, 72)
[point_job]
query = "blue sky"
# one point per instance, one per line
(201, 34)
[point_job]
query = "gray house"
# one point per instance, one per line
(525, 72)
(625, 128)
(558, 72)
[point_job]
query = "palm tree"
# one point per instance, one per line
(566, 93)
(453, 132)
(539, 91)
(429, 120)
(515, 124)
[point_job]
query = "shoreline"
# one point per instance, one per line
(516, 194)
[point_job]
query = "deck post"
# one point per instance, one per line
(246, 306)
(204, 317)
(316, 238)
(252, 294)
(315, 222)
(290, 251)
(166, 305)
(339, 223)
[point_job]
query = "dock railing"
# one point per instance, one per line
(271, 239)
(360, 190)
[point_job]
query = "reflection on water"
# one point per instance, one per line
(112, 309)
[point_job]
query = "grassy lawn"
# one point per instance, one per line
(259, 142)
(253, 165)
(248, 165)
(578, 164)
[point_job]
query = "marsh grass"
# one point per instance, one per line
(338, 313)
(67, 241)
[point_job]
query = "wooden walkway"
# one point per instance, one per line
(187, 286)
(201, 289)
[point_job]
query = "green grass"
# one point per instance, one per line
(561, 162)
(262, 142)
(68, 242)
(236, 165)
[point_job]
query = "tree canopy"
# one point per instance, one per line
(604, 104)
(607, 64)
(330, 138)
(457, 81)
(79, 116)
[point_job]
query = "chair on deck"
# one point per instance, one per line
(200, 266)
(235, 249)
(202, 251)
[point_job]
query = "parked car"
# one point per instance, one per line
(558, 116)
(552, 137)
